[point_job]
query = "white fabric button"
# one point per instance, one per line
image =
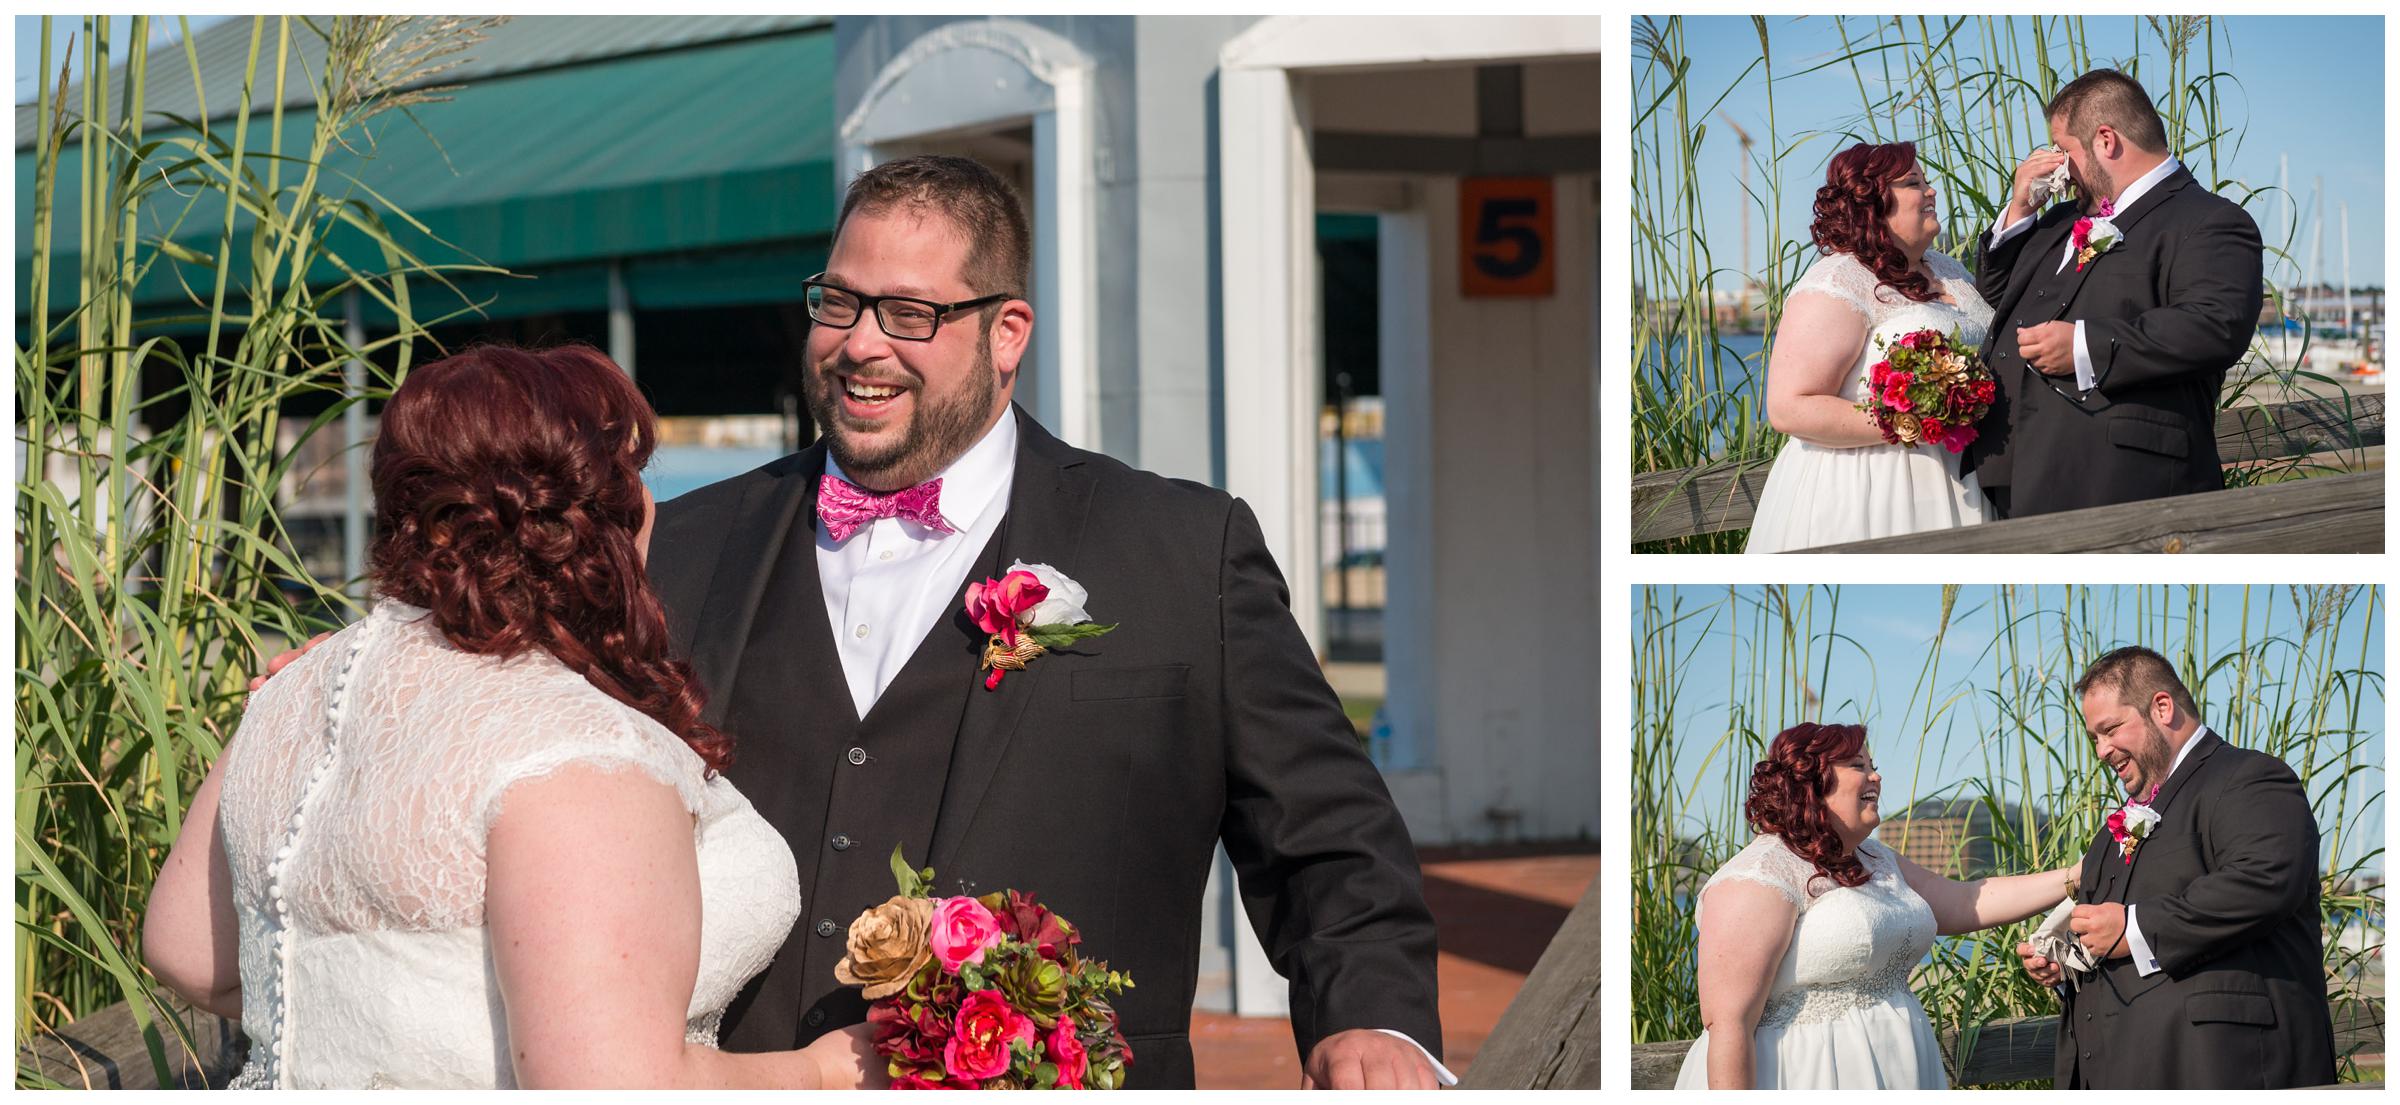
(887, 555)
(862, 629)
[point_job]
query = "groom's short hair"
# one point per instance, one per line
(975, 199)
(2136, 674)
(2105, 97)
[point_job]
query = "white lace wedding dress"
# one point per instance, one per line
(355, 803)
(1820, 496)
(1840, 1014)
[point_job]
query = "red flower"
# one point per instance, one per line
(1933, 429)
(961, 932)
(979, 1044)
(1910, 340)
(1022, 917)
(1066, 1050)
(2116, 825)
(994, 604)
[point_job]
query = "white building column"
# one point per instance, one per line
(620, 317)
(1268, 190)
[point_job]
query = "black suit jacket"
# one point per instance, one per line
(2165, 313)
(2225, 892)
(1101, 778)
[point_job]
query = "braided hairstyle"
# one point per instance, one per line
(1787, 795)
(508, 497)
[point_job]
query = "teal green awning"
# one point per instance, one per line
(660, 159)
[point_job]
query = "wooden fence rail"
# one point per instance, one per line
(1549, 1037)
(2321, 514)
(104, 1050)
(2021, 1049)
(2340, 432)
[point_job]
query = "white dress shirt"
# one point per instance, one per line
(891, 582)
(2124, 199)
(2145, 963)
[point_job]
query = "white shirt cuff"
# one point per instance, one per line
(2144, 963)
(1441, 1073)
(2083, 361)
(2003, 232)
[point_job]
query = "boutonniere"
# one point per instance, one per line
(2097, 235)
(2132, 822)
(1029, 610)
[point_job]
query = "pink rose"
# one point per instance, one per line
(2083, 233)
(1934, 429)
(995, 604)
(1958, 438)
(2116, 824)
(1066, 1050)
(986, 1028)
(962, 931)
(1909, 341)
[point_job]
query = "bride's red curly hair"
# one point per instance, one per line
(1787, 795)
(508, 495)
(1852, 209)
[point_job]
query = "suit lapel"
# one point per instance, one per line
(2125, 221)
(772, 512)
(1047, 504)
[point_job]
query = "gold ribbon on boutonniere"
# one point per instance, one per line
(1028, 611)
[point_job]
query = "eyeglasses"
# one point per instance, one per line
(904, 317)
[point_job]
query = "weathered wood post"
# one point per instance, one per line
(1549, 1038)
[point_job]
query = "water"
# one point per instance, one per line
(675, 469)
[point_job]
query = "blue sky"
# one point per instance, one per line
(28, 28)
(2310, 87)
(1885, 636)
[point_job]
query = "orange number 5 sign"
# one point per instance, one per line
(1506, 228)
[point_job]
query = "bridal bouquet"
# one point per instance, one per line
(1928, 389)
(983, 993)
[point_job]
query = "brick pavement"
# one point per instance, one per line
(1494, 911)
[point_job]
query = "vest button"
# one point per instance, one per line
(841, 843)
(825, 927)
(815, 1017)
(858, 756)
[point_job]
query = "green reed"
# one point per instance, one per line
(1970, 92)
(2302, 682)
(151, 563)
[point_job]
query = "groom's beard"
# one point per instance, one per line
(2153, 760)
(2101, 186)
(939, 430)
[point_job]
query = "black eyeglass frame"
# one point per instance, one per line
(873, 305)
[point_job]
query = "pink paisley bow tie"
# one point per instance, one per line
(845, 508)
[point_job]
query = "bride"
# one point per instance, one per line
(1808, 934)
(1836, 479)
(478, 839)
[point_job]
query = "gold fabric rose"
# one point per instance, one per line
(1908, 426)
(887, 945)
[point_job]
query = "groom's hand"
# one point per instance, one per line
(284, 660)
(2032, 169)
(1364, 1059)
(2043, 969)
(2049, 348)
(2100, 929)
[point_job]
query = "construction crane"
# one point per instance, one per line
(1747, 277)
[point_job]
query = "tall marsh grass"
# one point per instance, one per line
(152, 569)
(1969, 91)
(2293, 672)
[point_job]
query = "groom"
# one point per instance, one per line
(821, 600)
(2212, 971)
(2110, 338)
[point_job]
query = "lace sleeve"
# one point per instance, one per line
(1768, 863)
(596, 733)
(1839, 277)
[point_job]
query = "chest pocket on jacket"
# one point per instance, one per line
(1106, 684)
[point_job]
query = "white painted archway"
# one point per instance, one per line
(1268, 209)
(971, 75)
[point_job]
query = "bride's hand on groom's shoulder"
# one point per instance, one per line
(284, 660)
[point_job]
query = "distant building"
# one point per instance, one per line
(1952, 837)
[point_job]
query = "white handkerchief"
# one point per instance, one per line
(2056, 942)
(2051, 185)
